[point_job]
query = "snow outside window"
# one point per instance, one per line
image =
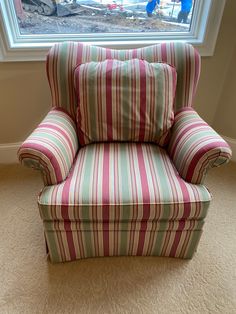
(29, 27)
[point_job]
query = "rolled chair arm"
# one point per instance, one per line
(51, 147)
(195, 147)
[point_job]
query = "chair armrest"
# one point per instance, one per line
(51, 147)
(195, 147)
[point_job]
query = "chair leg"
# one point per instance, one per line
(46, 245)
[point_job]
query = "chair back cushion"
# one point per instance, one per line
(64, 57)
(128, 100)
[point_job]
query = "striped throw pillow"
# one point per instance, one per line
(125, 101)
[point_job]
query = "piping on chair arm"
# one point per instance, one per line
(51, 147)
(195, 147)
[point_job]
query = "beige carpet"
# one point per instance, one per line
(30, 284)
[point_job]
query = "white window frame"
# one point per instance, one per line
(17, 47)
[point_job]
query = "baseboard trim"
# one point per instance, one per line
(8, 153)
(232, 144)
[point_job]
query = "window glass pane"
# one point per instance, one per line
(103, 16)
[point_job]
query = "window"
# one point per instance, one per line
(103, 16)
(29, 27)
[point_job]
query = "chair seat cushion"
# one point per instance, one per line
(123, 182)
(128, 100)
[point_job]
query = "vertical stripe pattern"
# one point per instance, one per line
(123, 182)
(195, 147)
(155, 243)
(125, 101)
(64, 57)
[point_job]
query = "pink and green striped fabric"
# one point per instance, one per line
(122, 198)
(64, 57)
(125, 101)
(52, 147)
(68, 245)
(195, 147)
(123, 182)
(163, 225)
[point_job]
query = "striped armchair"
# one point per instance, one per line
(117, 194)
